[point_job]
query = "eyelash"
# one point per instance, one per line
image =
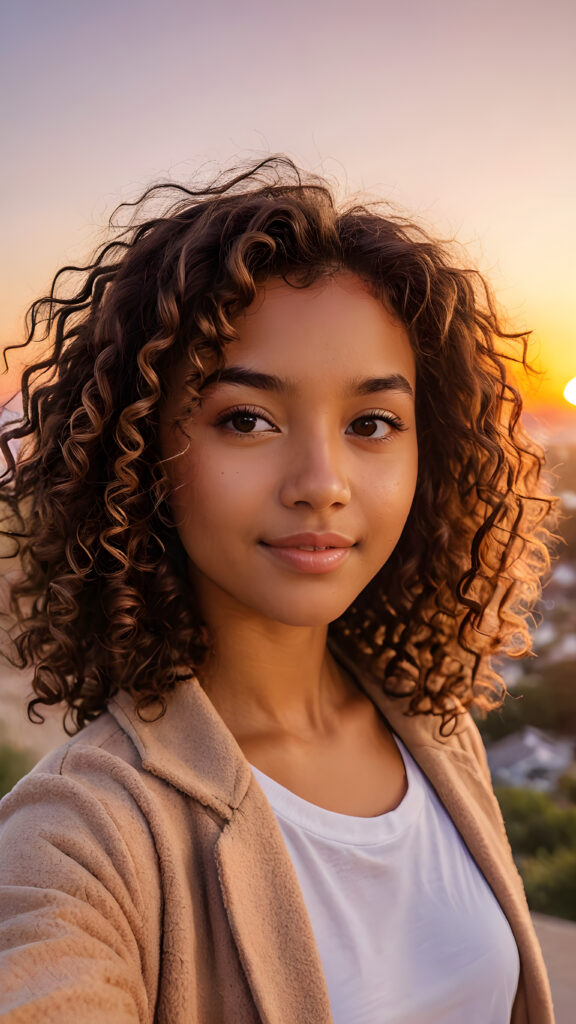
(374, 414)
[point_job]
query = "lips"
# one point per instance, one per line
(311, 540)
(309, 553)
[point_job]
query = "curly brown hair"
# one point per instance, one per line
(103, 601)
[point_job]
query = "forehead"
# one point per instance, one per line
(335, 326)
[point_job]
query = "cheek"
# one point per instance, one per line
(391, 501)
(196, 492)
(206, 493)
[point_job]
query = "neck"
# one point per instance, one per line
(270, 678)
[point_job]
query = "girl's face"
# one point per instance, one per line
(308, 440)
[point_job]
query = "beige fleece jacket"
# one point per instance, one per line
(144, 877)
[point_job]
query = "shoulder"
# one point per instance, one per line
(101, 739)
(112, 780)
(80, 882)
(99, 762)
(90, 801)
(85, 792)
(423, 732)
(468, 739)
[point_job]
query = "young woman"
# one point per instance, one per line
(276, 514)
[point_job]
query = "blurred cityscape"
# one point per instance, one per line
(531, 741)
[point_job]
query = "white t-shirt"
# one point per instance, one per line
(408, 929)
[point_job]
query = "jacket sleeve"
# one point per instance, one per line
(74, 907)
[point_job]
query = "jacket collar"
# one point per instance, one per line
(190, 746)
(193, 749)
(416, 730)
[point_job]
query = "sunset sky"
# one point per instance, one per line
(459, 112)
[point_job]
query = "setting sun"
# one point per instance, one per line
(570, 391)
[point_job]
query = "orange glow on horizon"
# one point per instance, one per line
(547, 387)
(549, 353)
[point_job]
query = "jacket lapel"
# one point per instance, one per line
(268, 917)
(192, 748)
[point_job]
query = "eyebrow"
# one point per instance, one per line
(357, 386)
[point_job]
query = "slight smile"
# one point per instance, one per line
(310, 553)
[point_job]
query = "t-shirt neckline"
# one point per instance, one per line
(347, 828)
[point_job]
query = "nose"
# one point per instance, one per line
(315, 474)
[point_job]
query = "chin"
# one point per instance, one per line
(306, 616)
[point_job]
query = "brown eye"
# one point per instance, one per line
(376, 426)
(244, 421)
(366, 426)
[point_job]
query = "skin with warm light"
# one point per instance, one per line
(260, 474)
